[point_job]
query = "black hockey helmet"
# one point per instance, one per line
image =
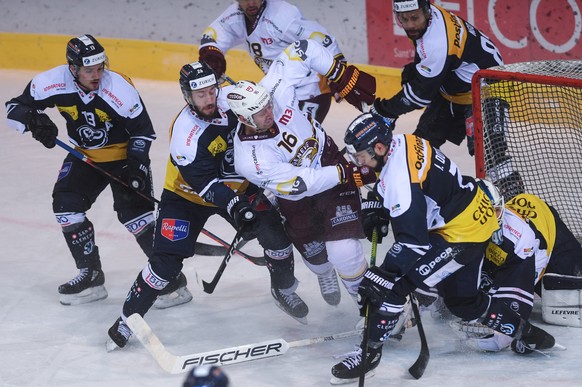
(366, 131)
(196, 76)
(206, 376)
(411, 5)
(85, 50)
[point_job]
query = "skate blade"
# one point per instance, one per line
(88, 295)
(110, 345)
(179, 297)
(335, 381)
(302, 320)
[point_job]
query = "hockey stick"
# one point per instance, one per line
(201, 248)
(210, 286)
(417, 369)
(366, 337)
(175, 364)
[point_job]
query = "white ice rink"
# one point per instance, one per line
(43, 343)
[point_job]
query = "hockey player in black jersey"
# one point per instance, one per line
(106, 121)
(442, 222)
(448, 51)
(201, 182)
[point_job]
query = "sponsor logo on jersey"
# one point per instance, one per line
(425, 270)
(495, 254)
(113, 97)
(217, 146)
(343, 214)
(59, 86)
(485, 210)
(193, 131)
(175, 229)
(426, 69)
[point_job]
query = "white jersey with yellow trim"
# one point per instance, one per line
(278, 25)
(201, 153)
(287, 159)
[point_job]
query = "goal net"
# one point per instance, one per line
(528, 132)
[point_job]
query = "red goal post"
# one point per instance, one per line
(528, 132)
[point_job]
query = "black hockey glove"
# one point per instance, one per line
(137, 174)
(374, 216)
(214, 58)
(240, 210)
(43, 129)
(376, 288)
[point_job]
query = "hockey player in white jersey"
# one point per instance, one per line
(201, 182)
(265, 28)
(282, 150)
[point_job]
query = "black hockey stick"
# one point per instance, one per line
(201, 248)
(417, 369)
(366, 337)
(210, 286)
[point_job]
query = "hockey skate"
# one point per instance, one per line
(175, 293)
(86, 287)
(329, 286)
(533, 339)
(119, 334)
(289, 302)
(349, 369)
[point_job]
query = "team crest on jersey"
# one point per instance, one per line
(92, 138)
(343, 214)
(175, 229)
(306, 153)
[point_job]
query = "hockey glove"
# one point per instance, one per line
(240, 210)
(374, 217)
(355, 86)
(349, 173)
(378, 108)
(214, 58)
(137, 174)
(43, 129)
(376, 289)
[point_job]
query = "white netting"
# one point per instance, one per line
(531, 133)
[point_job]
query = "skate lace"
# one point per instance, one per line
(292, 299)
(328, 283)
(83, 273)
(124, 329)
(354, 359)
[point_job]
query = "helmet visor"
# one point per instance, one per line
(361, 158)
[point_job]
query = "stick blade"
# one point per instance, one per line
(142, 331)
(419, 366)
(208, 287)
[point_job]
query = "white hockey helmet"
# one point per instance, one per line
(247, 99)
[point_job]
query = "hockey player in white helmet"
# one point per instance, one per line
(201, 182)
(279, 148)
(265, 28)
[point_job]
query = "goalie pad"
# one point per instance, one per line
(562, 300)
